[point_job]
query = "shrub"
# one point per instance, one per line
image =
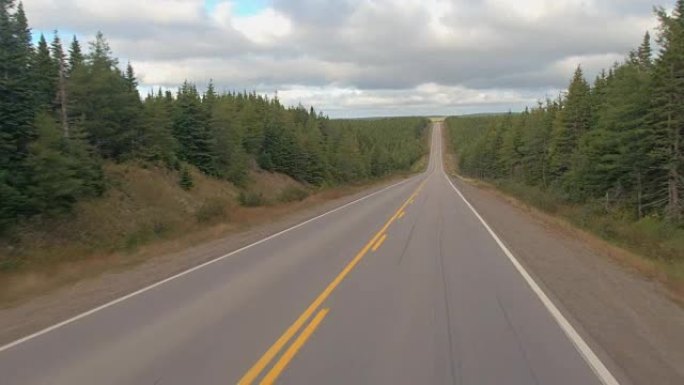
(185, 179)
(251, 199)
(292, 194)
(211, 209)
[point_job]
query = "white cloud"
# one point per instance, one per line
(46, 12)
(265, 27)
(429, 98)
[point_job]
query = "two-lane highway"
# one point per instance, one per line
(405, 286)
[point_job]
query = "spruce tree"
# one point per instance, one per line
(61, 99)
(45, 74)
(573, 121)
(668, 109)
(17, 110)
(75, 55)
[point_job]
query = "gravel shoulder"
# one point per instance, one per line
(629, 319)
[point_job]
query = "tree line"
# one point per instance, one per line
(618, 141)
(63, 112)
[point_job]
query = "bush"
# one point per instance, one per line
(210, 210)
(251, 199)
(185, 179)
(292, 194)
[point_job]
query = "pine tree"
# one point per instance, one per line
(101, 97)
(191, 129)
(645, 53)
(75, 55)
(231, 160)
(573, 121)
(157, 143)
(17, 110)
(45, 75)
(61, 169)
(61, 100)
(131, 80)
(668, 109)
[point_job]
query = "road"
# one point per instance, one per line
(405, 286)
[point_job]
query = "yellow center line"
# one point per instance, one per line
(379, 242)
(272, 351)
(401, 214)
(291, 351)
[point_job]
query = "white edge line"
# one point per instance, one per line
(585, 351)
(188, 271)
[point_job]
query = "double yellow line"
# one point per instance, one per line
(292, 350)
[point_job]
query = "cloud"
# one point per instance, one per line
(362, 56)
(265, 27)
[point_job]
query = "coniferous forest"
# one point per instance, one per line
(615, 147)
(67, 109)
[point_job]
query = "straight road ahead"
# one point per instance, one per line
(406, 286)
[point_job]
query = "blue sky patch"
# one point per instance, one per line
(241, 7)
(66, 37)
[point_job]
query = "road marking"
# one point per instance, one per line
(205, 264)
(289, 354)
(401, 214)
(273, 350)
(380, 241)
(604, 375)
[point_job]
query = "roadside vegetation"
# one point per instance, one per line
(89, 166)
(609, 156)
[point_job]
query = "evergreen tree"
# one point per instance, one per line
(102, 99)
(61, 97)
(157, 143)
(191, 129)
(645, 53)
(45, 75)
(668, 110)
(75, 55)
(572, 122)
(61, 169)
(17, 110)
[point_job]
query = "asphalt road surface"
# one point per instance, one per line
(405, 286)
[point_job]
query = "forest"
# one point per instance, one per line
(65, 111)
(614, 147)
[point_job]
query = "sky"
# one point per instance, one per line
(355, 58)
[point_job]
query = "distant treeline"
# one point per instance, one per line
(618, 143)
(63, 114)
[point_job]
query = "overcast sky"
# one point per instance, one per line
(362, 57)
